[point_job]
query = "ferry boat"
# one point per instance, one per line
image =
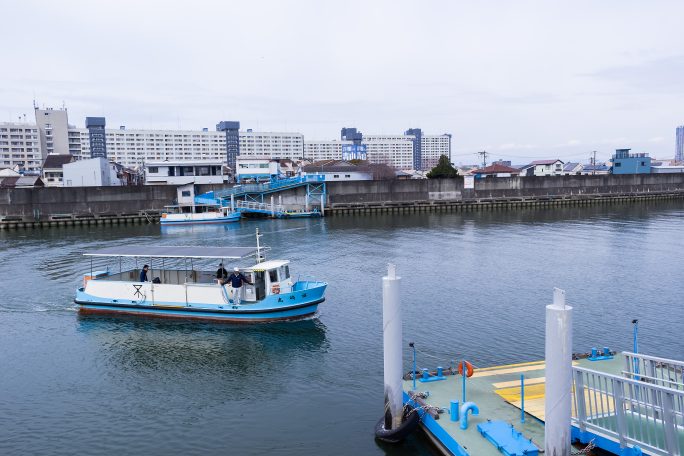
(198, 214)
(179, 291)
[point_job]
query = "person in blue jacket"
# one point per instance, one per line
(143, 274)
(236, 280)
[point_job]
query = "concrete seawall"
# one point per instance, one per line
(499, 192)
(94, 205)
(37, 207)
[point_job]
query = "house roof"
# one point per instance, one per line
(545, 162)
(21, 182)
(8, 172)
(57, 160)
(496, 169)
(570, 166)
(332, 166)
(8, 182)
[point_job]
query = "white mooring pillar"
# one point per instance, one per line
(392, 342)
(558, 376)
(272, 207)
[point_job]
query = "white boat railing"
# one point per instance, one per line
(629, 411)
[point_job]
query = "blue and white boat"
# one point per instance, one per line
(180, 290)
(194, 214)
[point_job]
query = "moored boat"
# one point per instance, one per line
(198, 214)
(179, 291)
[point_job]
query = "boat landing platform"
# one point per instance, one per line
(496, 393)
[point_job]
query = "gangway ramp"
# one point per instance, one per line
(314, 184)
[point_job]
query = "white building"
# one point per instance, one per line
(272, 144)
(256, 168)
(337, 170)
(323, 150)
(394, 151)
(91, 172)
(52, 170)
(133, 147)
(20, 147)
(432, 147)
(543, 168)
(53, 128)
(185, 172)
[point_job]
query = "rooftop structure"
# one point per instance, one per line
(625, 162)
(182, 172)
(496, 170)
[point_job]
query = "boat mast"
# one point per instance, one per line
(259, 258)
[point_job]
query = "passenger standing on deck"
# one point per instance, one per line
(222, 274)
(236, 279)
(143, 274)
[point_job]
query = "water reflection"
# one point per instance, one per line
(220, 355)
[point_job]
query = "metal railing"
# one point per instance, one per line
(658, 371)
(263, 207)
(274, 184)
(631, 412)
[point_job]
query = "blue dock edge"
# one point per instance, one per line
(441, 436)
(507, 439)
(603, 443)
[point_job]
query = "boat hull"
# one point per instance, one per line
(160, 312)
(193, 219)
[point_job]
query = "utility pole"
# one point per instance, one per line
(593, 162)
(484, 158)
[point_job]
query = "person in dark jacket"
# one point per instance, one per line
(143, 274)
(222, 274)
(236, 280)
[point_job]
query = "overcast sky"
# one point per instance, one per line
(520, 79)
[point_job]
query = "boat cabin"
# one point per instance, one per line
(171, 267)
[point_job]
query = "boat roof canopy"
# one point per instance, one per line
(229, 253)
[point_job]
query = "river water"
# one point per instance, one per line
(474, 286)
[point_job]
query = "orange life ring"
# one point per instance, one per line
(275, 288)
(469, 368)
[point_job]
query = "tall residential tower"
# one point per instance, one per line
(679, 144)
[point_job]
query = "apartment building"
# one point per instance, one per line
(318, 150)
(20, 147)
(432, 147)
(53, 129)
(134, 147)
(272, 144)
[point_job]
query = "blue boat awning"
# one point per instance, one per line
(174, 252)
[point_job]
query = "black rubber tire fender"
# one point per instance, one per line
(409, 423)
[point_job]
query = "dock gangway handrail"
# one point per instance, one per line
(659, 371)
(261, 207)
(628, 411)
(273, 185)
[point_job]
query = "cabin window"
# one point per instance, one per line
(284, 272)
(618, 164)
(153, 169)
(185, 193)
(273, 275)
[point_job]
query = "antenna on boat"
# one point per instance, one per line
(259, 257)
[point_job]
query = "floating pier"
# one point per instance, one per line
(623, 403)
